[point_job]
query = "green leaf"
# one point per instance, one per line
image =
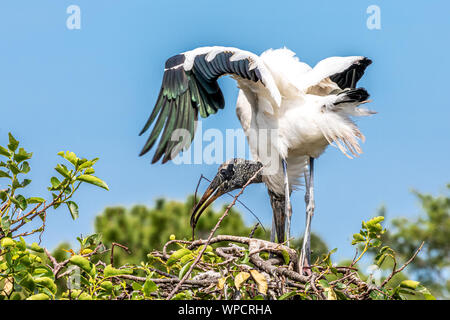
(374, 221)
(358, 236)
(246, 259)
(19, 201)
(69, 156)
(83, 263)
(376, 243)
(47, 283)
(89, 171)
(4, 152)
(424, 291)
(14, 296)
(7, 242)
(13, 167)
(286, 257)
(13, 143)
(3, 196)
(85, 165)
(174, 257)
(22, 244)
(25, 167)
(110, 271)
(386, 249)
(185, 259)
(324, 283)
(136, 286)
(340, 286)
(5, 224)
(92, 240)
(22, 155)
(108, 286)
(93, 180)
(62, 169)
(288, 295)
(409, 284)
(57, 202)
(43, 272)
(25, 182)
(35, 247)
(185, 269)
(55, 182)
(3, 174)
(39, 296)
(16, 184)
(28, 282)
(35, 200)
(73, 208)
(149, 287)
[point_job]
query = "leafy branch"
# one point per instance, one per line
(13, 206)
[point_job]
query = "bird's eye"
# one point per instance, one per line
(226, 173)
(223, 172)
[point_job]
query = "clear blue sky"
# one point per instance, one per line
(91, 91)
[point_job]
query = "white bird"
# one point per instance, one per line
(289, 112)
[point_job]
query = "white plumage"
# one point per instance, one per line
(307, 120)
(289, 111)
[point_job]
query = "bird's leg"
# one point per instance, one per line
(305, 256)
(287, 202)
(273, 231)
(278, 218)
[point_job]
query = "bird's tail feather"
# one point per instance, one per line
(337, 126)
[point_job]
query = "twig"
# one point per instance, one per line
(252, 233)
(205, 282)
(114, 244)
(231, 195)
(165, 274)
(395, 271)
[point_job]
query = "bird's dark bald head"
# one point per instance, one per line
(235, 173)
(231, 175)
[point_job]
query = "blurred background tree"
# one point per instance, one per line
(432, 266)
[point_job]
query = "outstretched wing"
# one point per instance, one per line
(334, 73)
(349, 77)
(189, 87)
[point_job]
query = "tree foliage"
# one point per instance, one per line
(23, 273)
(165, 263)
(432, 266)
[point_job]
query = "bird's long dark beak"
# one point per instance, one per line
(211, 194)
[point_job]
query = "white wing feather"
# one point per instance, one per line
(325, 69)
(238, 54)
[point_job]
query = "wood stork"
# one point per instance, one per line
(304, 108)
